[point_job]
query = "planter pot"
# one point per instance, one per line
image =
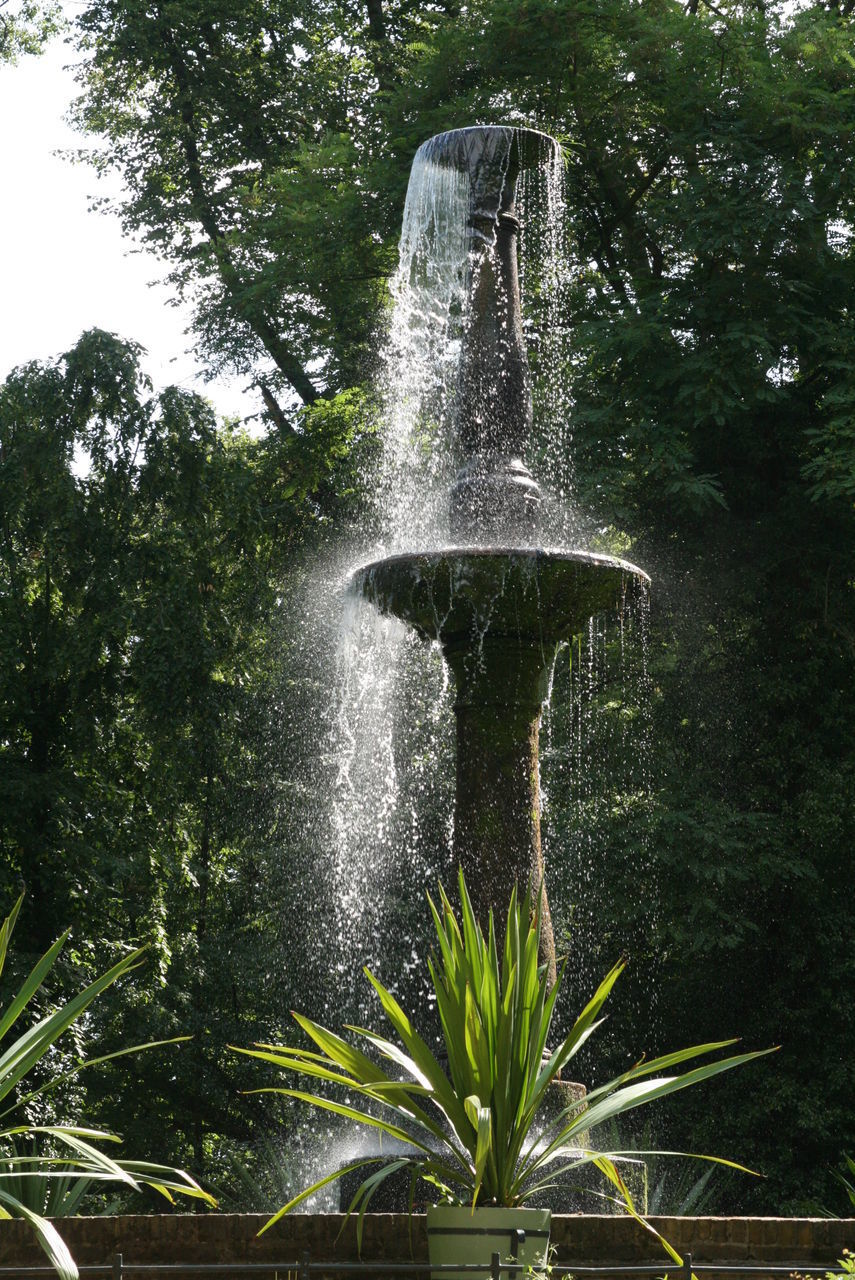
(459, 1237)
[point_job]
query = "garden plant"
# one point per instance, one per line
(481, 1131)
(34, 1156)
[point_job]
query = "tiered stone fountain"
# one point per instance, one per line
(498, 605)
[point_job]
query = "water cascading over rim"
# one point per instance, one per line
(494, 495)
(498, 606)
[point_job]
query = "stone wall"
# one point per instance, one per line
(583, 1239)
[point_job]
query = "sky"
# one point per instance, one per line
(65, 269)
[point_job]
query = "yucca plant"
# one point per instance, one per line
(481, 1131)
(48, 1167)
(848, 1184)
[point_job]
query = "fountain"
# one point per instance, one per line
(498, 604)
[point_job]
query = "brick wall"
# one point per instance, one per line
(580, 1238)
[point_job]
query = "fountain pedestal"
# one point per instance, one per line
(499, 611)
(499, 615)
(497, 815)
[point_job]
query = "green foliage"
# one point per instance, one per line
(141, 552)
(233, 128)
(482, 1132)
(115, 543)
(27, 27)
(848, 1186)
(709, 389)
(34, 1156)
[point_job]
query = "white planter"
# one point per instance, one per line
(457, 1236)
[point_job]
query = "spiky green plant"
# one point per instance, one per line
(480, 1132)
(848, 1184)
(36, 1158)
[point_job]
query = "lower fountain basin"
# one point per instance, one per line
(519, 593)
(499, 614)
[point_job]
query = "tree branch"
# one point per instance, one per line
(272, 406)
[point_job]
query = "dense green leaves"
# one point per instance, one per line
(707, 370)
(140, 554)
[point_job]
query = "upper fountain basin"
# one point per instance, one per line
(531, 595)
(468, 149)
(492, 156)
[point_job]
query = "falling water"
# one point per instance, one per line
(596, 765)
(545, 266)
(420, 365)
(392, 795)
(392, 801)
(422, 355)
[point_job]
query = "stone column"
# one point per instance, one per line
(501, 685)
(494, 495)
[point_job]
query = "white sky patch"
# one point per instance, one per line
(65, 269)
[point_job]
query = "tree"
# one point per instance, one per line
(26, 28)
(140, 563)
(233, 128)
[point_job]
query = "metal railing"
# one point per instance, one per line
(304, 1268)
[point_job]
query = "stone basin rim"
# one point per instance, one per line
(593, 559)
(444, 146)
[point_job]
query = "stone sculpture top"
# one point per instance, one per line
(494, 494)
